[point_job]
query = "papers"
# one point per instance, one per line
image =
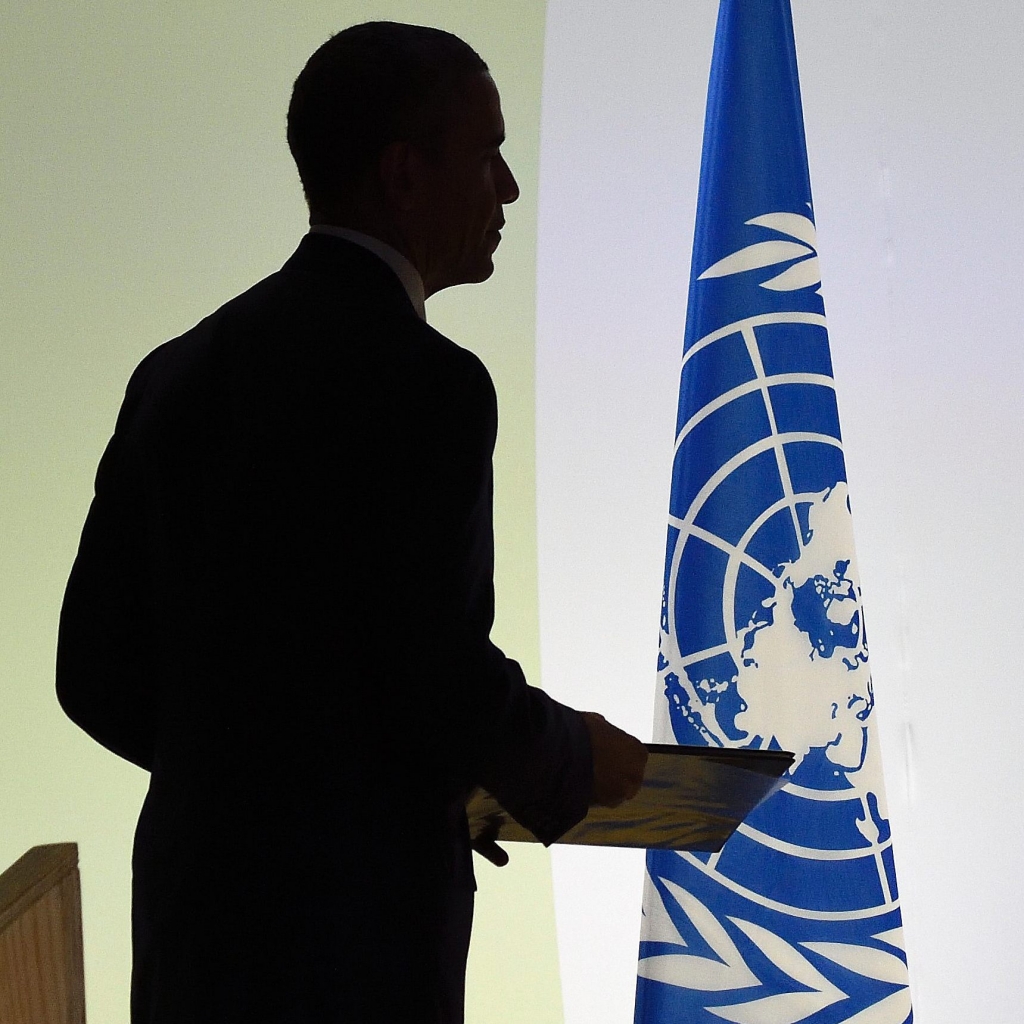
(692, 798)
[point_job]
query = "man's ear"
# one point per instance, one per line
(402, 175)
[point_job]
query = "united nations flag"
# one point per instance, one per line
(763, 640)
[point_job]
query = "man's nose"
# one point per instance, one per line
(508, 187)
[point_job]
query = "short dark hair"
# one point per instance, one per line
(366, 87)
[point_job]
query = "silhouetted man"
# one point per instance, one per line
(283, 595)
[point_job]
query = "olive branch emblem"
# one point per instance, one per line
(729, 972)
(798, 248)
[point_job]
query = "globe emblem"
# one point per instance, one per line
(762, 644)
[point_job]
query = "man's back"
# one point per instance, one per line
(273, 480)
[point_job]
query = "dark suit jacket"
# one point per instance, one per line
(281, 607)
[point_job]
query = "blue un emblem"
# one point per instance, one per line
(763, 644)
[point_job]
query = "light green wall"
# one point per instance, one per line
(146, 181)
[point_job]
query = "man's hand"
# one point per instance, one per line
(490, 850)
(619, 761)
(485, 845)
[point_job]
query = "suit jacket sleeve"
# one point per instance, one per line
(530, 751)
(104, 678)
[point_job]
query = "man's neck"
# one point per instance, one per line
(404, 240)
(402, 266)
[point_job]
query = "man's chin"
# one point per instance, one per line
(480, 271)
(477, 272)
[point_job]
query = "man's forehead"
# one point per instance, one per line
(476, 114)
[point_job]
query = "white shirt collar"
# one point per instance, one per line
(405, 271)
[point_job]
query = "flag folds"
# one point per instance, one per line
(762, 639)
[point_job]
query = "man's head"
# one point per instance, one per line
(396, 130)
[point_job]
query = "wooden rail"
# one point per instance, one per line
(41, 978)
